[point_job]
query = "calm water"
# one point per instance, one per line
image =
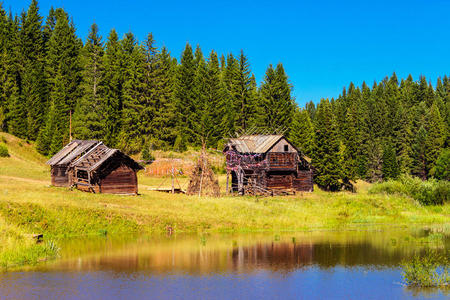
(314, 265)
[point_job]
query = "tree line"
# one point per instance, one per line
(132, 95)
(136, 96)
(395, 127)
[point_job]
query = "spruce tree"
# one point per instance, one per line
(113, 88)
(326, 153)
(302, 132)
(435, 136)
(184, 96)
(164, 123)
(64, 73)
(33, 86)
(130, 139)
(244, 97)
(276, 98)
(419, 166)
(89, 114)
(390, 166)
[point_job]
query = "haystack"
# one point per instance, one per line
(203, 181)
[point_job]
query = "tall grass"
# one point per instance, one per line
(427, 271)
(430, 192)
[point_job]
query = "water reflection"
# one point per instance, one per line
(313, 265)
(244, 253)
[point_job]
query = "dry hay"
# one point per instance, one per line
(203, 180)
(164, 166)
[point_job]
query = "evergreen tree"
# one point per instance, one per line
(419, 167)
(441, 169)
(326, 153)
(244, 100)
(184, 96)
(130, 138)
(89, 113)
(435, 136)
(302, 132)
(390, 165)
(230, 77)
(276, 97)
(113, 88)
(63, 71)
(32, 101)
(164, 123)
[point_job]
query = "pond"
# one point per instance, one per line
(362, 264)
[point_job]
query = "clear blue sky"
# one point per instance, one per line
(323, 45)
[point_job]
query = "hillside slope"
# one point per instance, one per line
(29, 205)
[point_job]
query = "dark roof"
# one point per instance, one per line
(99, 154)
(71, 151)
(254, 143)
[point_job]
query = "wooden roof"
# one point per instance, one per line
(255, 143)
(71, 151)
(99, 154)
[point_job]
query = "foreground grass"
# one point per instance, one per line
(29, 205)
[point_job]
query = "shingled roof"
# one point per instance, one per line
(254, 143)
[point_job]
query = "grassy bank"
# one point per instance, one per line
(29, 205)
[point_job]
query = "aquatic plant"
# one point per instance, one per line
(431, 270)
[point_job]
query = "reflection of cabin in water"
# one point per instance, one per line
(91, 166)
(266, 164)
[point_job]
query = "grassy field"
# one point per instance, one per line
(29, 205)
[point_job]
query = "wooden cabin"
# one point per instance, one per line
(60, 162)
(99, 170)
(266, 164)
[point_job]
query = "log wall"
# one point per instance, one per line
(121, 180)
(304, 181)
(60, 176)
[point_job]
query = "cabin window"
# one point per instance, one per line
(82, 174)
(286, 148)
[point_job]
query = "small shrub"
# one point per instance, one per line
(430, 192)
(429, 271)
(4, 151)
(4, 140)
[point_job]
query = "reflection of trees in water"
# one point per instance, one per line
(275, 256)
(290, 256)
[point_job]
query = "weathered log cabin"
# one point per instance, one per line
(266, 164)
(60, 162)
(98, 169)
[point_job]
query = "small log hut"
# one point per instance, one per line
(266, 164)
(92, 167)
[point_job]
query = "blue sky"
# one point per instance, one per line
(323, 45)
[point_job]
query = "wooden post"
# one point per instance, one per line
(70, 125)
(173, 186)
(228, 173)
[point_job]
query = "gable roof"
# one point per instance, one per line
(71, 151)
(99, 154)
(255, 143)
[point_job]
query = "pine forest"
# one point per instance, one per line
(135, 96)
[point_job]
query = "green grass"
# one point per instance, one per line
(28, 204)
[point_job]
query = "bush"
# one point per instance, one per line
(430, 192)
(442, 168)
(429, 271)
(4, 151)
